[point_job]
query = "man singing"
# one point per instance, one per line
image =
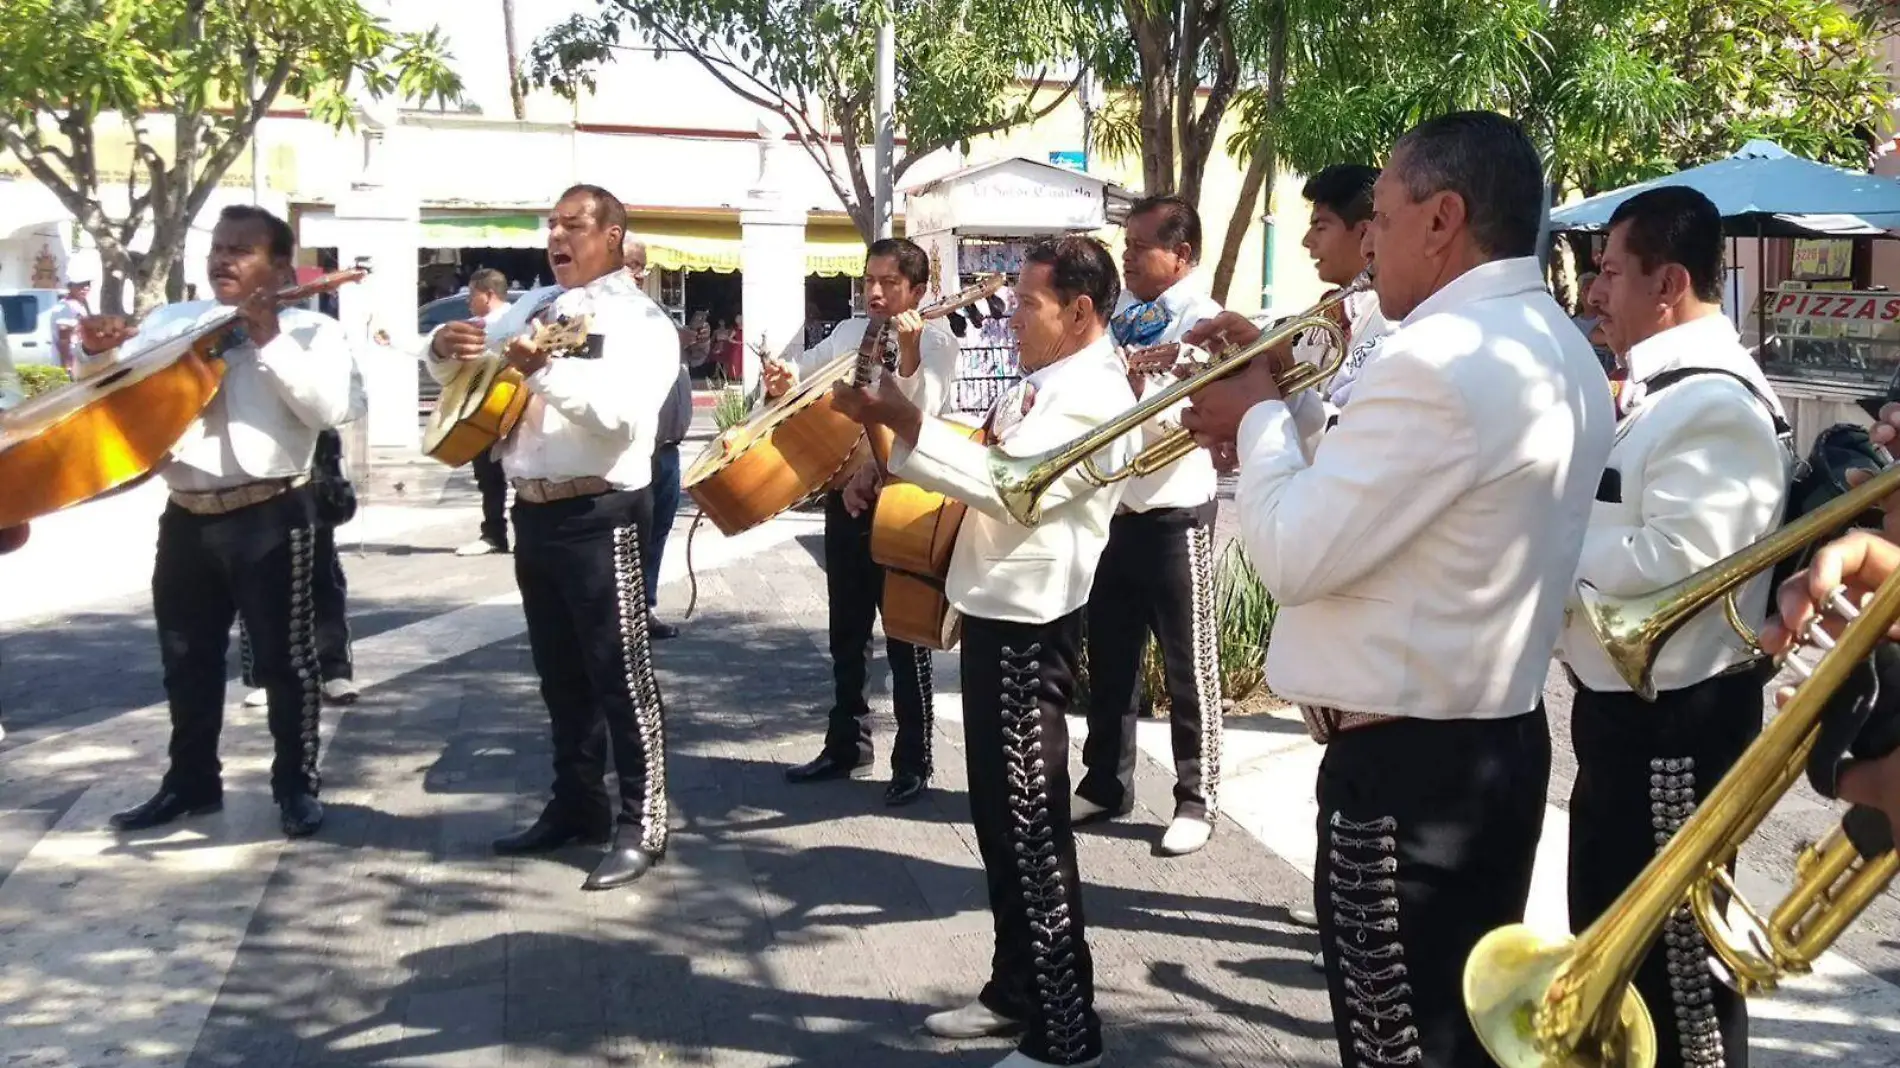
(1157, 573)
(1022, 591)
(896, 276)
(488, 302)
(580, 459)
(1421, 559)
(1699, 471)
(236, 540)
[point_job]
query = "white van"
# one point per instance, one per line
(28, 314)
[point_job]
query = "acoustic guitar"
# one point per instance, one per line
(84, 439)
(482, 403)
(793, 446)
(913, 533)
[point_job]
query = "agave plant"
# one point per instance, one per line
(1244, 614)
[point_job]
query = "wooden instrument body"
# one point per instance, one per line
(913, 535)
(484, 399)
(77, 442)
(109, 429)
(781, 454)
(799, 443)
(478, 407)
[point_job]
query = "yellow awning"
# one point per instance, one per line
(713, 245)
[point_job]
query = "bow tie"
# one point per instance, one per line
(1140, 324)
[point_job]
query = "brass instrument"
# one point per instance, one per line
(1544, 1003)
(1020, 481)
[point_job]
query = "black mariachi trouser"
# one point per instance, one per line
(1427, 833)
(256, 564)
(330, 588)
(1018, 680)
(1157, 574)
(855, 585)
(578, 564)
(493, 482)
(1642, 769)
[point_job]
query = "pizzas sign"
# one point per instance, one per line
(1834, 306)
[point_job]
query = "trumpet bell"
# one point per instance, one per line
(1626, 629)
(1507, 983)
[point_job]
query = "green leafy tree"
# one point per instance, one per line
(960, 68)
(1612, 91)
(209, 71)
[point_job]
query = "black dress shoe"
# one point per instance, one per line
(302, 815)
(824, 769)
(164, 807)
(659, 631)
(905, 787)
(621, 866)
(545, 835)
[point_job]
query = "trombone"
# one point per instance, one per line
(1021, 481)
(1545, 1003)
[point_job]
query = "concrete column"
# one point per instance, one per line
(772, 247)
(380, 219)
(772, 241)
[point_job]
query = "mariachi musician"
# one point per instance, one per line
(1157, 573)
(237, 539)
(581, 459)
(896, 276)
(1421, 559)
(1021, 591)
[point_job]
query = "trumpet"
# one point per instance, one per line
(1545, 1003)
(1021, 481)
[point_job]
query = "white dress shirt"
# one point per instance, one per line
(1703, 474)
(1003, 571)
(930, 389)
(1423, 558)
(590, 417)
(1190, 482)
(264, 420)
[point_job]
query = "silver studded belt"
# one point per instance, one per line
(224, 501)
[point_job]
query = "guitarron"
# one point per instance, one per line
(788, 449)
(482, 403)
(102, 432)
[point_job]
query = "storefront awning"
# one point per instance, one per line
(483, 231)
(714, 245)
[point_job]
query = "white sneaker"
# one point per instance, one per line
(340, 692)
(1185, 835)
(1081, 808)
(257, 699)
(975, 1020)
(1304, 917)
(479, 547)
(1020, 1059)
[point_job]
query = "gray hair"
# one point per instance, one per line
(628, 244)
(1490, 163)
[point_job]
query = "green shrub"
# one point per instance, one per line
(36, 379)
(731, 408)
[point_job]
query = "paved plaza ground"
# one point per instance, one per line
(789, 926)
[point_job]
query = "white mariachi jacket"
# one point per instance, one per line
(1001, 570)
(1423, 557)
(1697, 472)
(930, 389)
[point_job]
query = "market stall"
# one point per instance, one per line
(1828, 339)
(980, 221)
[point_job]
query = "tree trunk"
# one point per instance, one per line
(1259, 168)
(1262, 168)
(1154, 30)
(515, 95)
